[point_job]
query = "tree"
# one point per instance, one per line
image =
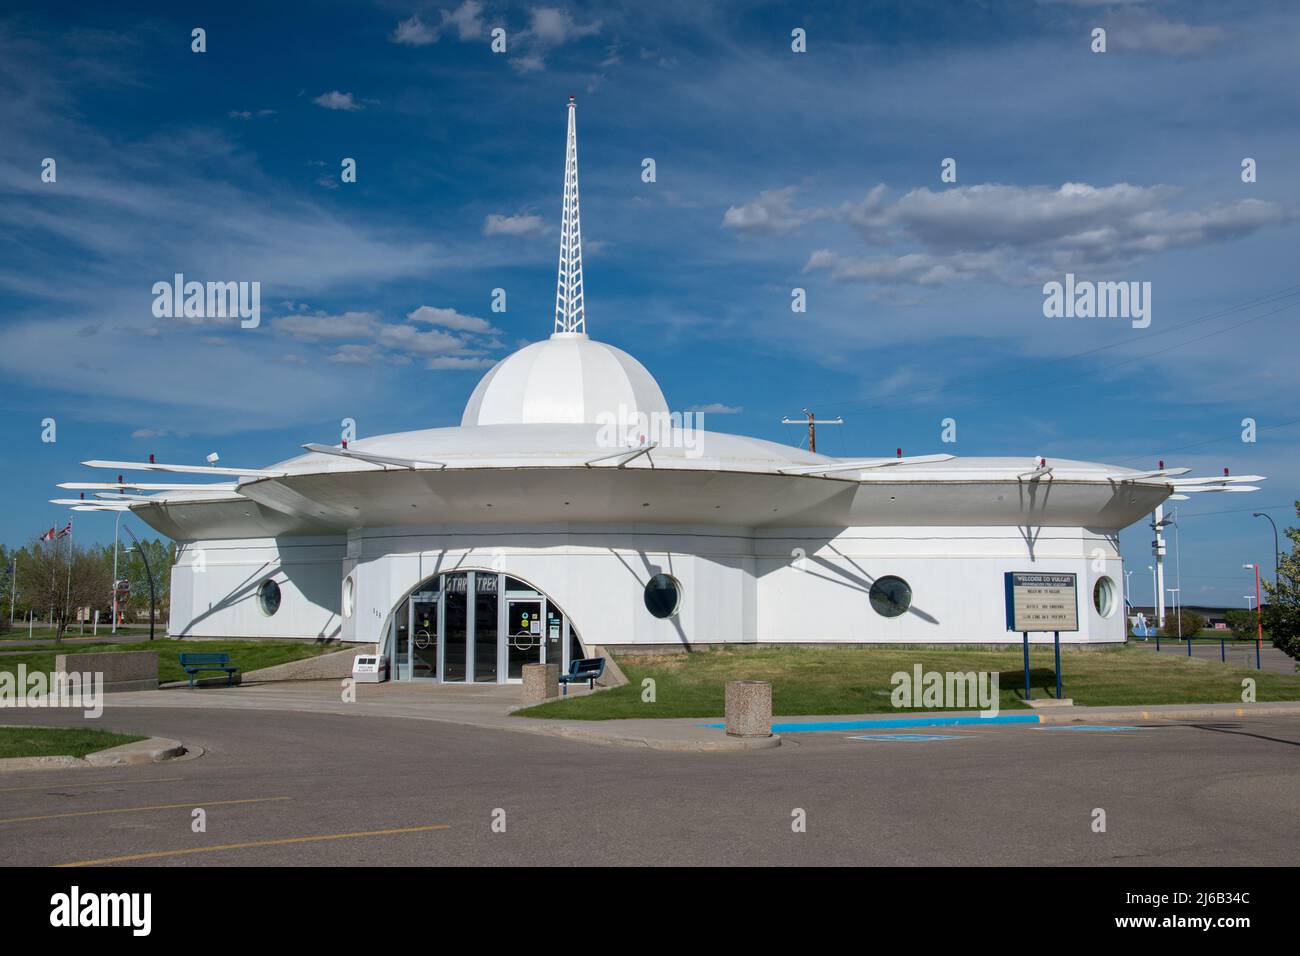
(1243, 624)
(1282, 612)
(60, 577)
(6, 587)
(1190, 627)
(132, 567)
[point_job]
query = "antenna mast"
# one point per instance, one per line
(570, 315)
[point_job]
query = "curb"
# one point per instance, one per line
(1066, 715)
(1078, 714)
(150, 750)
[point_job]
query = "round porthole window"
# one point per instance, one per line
(1103, 596)
(890, 596)
(349, 592)
(268, 597)
(663, 595)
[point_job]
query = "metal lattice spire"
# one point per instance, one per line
(570, 315)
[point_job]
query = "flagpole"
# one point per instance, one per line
(67, 602)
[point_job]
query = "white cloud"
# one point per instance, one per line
(521, 225)
(772, 213)
(1149, 31)
(451, 319)
(467, 19)
(454, 362)
(553, 27)
(531, 63)
(409, 340)
(353, 354)
(1019, 234)
(716, 408)
(414, 32)
(319, 327)
(334, 100)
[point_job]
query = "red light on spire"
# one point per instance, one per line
(119, 479)
(345, 443)
(899, 452)
(151, 461)
(1225, 473)
(1162, 464)
(83, 496)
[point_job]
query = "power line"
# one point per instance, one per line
(1211, 441)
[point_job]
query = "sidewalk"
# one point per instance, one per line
(489, 706)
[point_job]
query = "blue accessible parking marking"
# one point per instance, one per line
(910, 737)
(1096, 728)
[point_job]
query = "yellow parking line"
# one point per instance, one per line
(161, 806)
(254, 843)
(91, 783)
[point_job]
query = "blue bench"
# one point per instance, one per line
(588, 669)
(195, 663)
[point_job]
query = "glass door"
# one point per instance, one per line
(524, 634)
(455, 626)
(485, 626)
(424, 636)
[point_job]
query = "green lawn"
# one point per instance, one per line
(57, 741)
(246, 655)
(857, 681)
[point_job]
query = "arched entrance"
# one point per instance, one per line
(477, 627)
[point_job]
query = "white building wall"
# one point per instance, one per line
(214, 588)
(813, 588)
(776, 585)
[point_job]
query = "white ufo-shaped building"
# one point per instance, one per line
(571, 511)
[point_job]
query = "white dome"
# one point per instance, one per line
(566, 379)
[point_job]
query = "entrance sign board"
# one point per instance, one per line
(1041, 601)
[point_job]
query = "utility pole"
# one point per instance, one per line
(810, 419)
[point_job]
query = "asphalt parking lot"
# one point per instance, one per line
(294, 789)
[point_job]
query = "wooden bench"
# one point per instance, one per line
(588, 669)
(219, 661)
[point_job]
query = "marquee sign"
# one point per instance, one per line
(1041, 602)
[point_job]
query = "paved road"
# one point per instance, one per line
(1208, 793)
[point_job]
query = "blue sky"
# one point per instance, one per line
(774, 170)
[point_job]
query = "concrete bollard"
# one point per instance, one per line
(749, 708)
(541, 682)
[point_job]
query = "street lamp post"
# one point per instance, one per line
(1178, 613)
(148, 571)
(1259, 615)
(116, 524)
(1277, 550)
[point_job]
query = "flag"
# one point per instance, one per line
(48, 536)
(67, 529)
